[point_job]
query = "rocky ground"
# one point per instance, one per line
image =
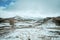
(30, 30)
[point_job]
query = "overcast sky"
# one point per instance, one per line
(29, 8)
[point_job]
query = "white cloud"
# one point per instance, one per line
(1, 8)
(33, 8)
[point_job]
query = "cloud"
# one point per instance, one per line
(34, 8)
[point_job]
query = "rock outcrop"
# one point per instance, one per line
(56, 20)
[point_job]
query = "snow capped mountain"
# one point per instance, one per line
(45, 26)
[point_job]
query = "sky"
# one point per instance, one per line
(29, 8)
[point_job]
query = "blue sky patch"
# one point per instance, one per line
(5, 3)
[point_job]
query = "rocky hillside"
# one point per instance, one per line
(16, 29)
